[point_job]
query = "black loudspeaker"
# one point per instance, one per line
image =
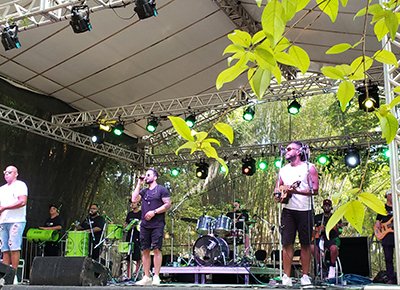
(7, 273)
(67, 271)
(354, 256)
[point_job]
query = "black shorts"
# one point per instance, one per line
(151, 238)
(296, 221)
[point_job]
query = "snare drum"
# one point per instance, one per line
(223, 225)
(209, 250)
(77, 244)
(38, 235)
(205, 225)
(114, 232)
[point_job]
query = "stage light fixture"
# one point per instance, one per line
(262, 165)
(294, 107)
(386, 153)
(118, 129)
(145, 8)
(202, 169)
(105, 127)
(248, 166)
(97, 135)
(9, 37)
(278, 163)
(175, 171)
(152, 125)
(323, 159)
(80, 21)
(352, 158)
(369, 102)
(222, 169)
(190, 120)
(248, 113)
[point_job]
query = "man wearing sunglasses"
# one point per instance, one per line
(13, 198)
(299, 181)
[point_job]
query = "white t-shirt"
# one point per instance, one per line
(8, 196)
(289, 175)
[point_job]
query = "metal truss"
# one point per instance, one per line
(44, 128)
(30, 14)
(302, 87)
(359, 140)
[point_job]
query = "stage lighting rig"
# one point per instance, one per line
(368, 102)
(248, 113)
(202, 169)
(294, 107)
(190, 120)
(175, 171)
(118, 129)
(9, 37)
(80, 21)
(248, 166)
(352, 158)
(97, 135)
(145, 8)
(152, 125)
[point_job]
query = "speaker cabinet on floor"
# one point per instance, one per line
(7, 273)
(355, 256)
(67, 271)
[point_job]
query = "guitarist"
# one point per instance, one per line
(299, 180)
(388, 239)
(332, 244)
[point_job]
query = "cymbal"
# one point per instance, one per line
(188, 220)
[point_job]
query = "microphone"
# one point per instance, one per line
(282, 149)
(107, 218)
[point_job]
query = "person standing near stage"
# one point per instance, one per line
(388, 238)
(298, 181)
(155, 202)
(94, 225)
(13, 198)
(133, 235)
(54, 222)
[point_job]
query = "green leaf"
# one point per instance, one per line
(385, 56)
(358, 65)
(300, 58)
(383, 110)
(233, 48)
(333, 73)
(355, 214)
(212, 140)
(277, 74)
(392, 23)
(259, 2)
(335, 218)
(395, 101)
(223, 163)
(373, 202)
(200, 136)
(330, 8)
(181, 128)
(283, 44)
(344, 2)
(188, 145)
(380, 29)
(338, 48)
(360, 12)
(225, 130)
(345, 93)
(345, 69)
(396, 90)
(389, 126)
(272, 20)
(259, 36)
(264, 58)
(284, 58)
(240, 37)
(231, 73)
(301, 4)
(210, 152)
(289, 6)
(259, 81)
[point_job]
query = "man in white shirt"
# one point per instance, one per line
(13, 197)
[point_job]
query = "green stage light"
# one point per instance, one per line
(386, 152)
(152, 125)
(175, 171)
(118, 129)
(248, 113)
(190, 120)
(294, 107)
(278, 163)
(262, 165)
(323, 159)
(222, 169)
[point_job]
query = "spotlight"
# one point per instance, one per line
(222, 169)
(352, 158)
(190, 120)
(152, 125)
(262, 165)
(248, 113)
(371, 102)
(386, 153)
(118, 129)
(248, 166)
(294, 107)
(278, 163)
(323, 159)
(202, 169)
(80, 21)
(145, 8)
(97, 136)
(9, 37)
(105, 127)
(175, 171)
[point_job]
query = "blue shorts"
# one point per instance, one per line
(11, 236)
(151, 238)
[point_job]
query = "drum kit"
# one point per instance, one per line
(216, 236)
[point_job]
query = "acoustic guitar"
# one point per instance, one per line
(386, 228)
(284, 195)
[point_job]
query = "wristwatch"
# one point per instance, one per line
(155, 212)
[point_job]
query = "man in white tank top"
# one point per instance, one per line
(299, 181)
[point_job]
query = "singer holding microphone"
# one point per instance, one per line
(93, 224)
(155, 202)
(297, 182)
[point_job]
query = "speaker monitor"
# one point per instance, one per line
(354, 256)
(67, 271)
(7, 273)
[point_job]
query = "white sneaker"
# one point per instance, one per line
(15, 280)
(156, 280)
(286, 281)
(305, 280)
(332, 272)
(145, 281)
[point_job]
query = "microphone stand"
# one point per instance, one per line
(280, 247)
(92, 233)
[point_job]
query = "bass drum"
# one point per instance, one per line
(209, 250)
